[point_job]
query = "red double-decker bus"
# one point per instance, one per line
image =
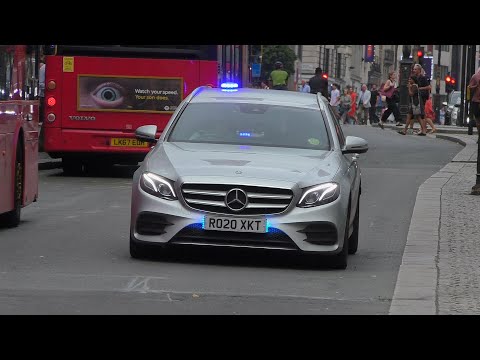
(96, 96)
(19, 131)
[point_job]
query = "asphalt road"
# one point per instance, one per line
(70, 254)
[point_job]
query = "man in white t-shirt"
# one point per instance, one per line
(335, 98)
(363, 105)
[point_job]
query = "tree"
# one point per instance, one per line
(274, 53)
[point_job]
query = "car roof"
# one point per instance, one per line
(258, 96)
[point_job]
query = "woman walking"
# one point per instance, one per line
(345, 105)
(352, 114)
(416, 108)
(388, 91)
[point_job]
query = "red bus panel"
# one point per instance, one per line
(98, 101)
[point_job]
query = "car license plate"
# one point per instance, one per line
(235, 224)
(127, 142)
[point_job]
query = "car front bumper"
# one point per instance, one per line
(319, 229)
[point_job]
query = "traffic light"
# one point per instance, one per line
(420, 54)
(450, 84)
(325, 76)
(454, 84)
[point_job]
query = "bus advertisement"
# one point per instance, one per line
(19, 130)
(96, 96)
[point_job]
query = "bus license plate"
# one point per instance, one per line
(235, 224)
(126, 142)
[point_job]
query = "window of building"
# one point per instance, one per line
(444, 47)
(326, 61)
(6, 67)
(443, 71)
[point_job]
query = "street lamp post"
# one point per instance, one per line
(405, 70)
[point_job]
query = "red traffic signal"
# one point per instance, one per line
(453, 81)
(448, 79)
(419, 53)
(325, 76)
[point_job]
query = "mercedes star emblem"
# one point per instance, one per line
(236, 200)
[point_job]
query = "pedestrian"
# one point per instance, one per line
(424, 88)
(278, 77)
(474, 86)
(335, 98)
(416, 108)
(430, 115)
(318, 83)
(373, 104)
(305, 88)
(352, 114)
(390, 97)
(363, 105)
(442, 115)
(345, 106)
(380, 105)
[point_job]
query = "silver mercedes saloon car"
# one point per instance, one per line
(249, 168)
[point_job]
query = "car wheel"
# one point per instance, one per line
(141, 250)
(12, 218)
(137, 250)
(341, 259)
(353, 240)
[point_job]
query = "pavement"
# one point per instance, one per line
(440, 272)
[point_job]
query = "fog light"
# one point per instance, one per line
(51, 117)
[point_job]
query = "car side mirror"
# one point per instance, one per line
(355, 145)
(147, 133)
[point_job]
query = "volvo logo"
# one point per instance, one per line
(236, 200)
(83, 118)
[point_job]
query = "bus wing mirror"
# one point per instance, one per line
(147, 133)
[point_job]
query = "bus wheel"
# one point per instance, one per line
(12, 218)
(72, 167)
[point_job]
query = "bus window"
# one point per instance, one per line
(6, 67)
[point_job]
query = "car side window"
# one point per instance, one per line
(338, 128)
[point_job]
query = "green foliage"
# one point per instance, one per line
(274, 53)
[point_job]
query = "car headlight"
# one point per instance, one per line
(319, 195)
(157, 186)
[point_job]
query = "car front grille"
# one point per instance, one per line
(261, 200)
(196, 235)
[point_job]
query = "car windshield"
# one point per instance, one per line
(252, 124)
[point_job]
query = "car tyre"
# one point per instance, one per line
(138, 250)
(142, 250)
(12, 218)
(353, 240)
(341, 259)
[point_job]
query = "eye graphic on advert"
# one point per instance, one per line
(129, 93)
(108, 95)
